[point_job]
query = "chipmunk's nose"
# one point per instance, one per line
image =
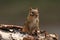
(36, 15)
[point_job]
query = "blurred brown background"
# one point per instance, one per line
(15, 12)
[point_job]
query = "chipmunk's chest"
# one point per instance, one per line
(34, 22)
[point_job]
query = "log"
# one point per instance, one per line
(10, 26)
(29, 37)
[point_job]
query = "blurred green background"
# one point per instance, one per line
(15, 12)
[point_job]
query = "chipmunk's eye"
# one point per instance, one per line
(32, 14)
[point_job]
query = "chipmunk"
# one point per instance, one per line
(32, 21)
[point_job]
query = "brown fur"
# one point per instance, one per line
(32, 21)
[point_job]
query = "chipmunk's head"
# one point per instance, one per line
(34, 12)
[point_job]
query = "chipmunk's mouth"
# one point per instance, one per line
(36, 15)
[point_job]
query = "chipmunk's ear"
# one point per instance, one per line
(38, 10)
(30, 8)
